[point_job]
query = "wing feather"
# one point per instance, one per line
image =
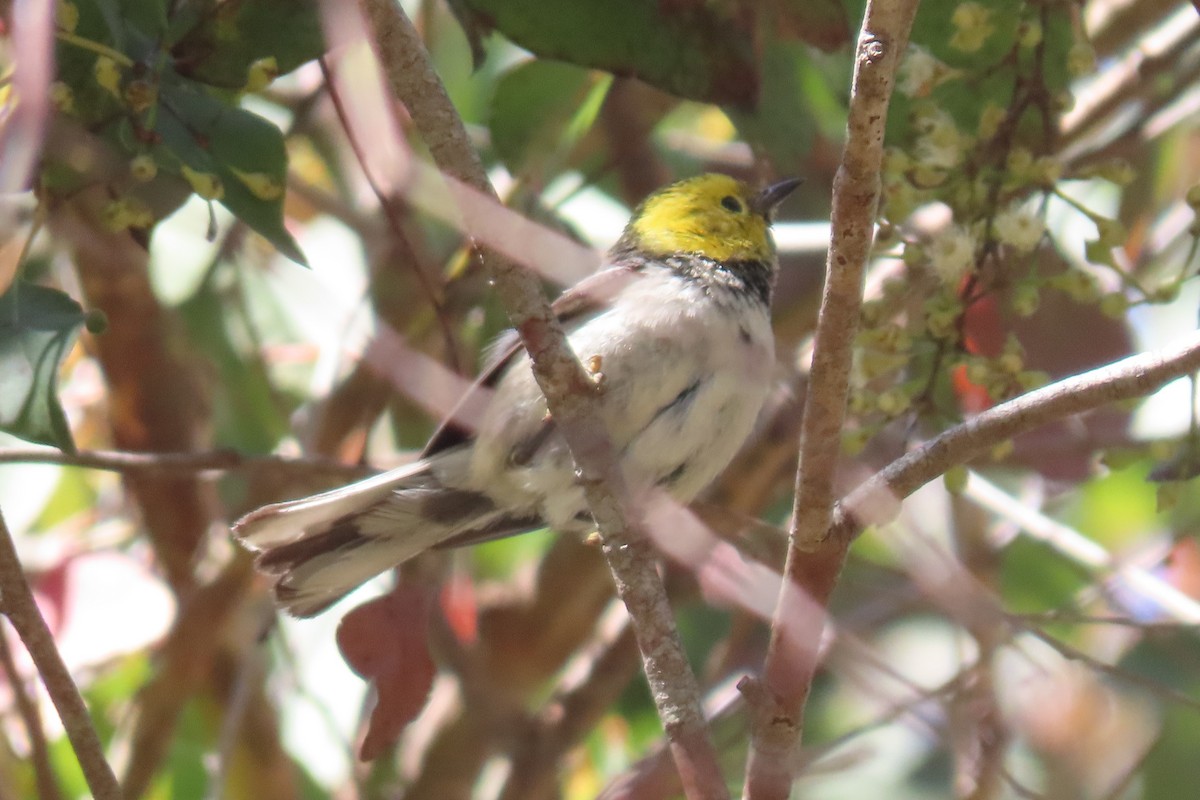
(573, 307)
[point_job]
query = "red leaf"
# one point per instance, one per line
(386, 641)
(51, 586)
(972, 398)
(983, 329)
(983, 334)
(1183, 567)
(461, 607)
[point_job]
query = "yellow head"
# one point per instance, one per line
(710, 215)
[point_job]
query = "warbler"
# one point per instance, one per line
(677, 329)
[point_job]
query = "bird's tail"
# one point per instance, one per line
(320, 548)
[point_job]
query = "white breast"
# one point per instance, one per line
(683, 381)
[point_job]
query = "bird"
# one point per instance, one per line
(676, 327)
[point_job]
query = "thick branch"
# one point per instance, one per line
(855, 200)
(790, 660)
(22, 611)
(571, 398)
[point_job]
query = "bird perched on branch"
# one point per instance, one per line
(676, 329)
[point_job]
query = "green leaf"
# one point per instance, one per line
(149, 17)
(1034, 578)
(699, 50)
(964, 100)
(1172, 769)
(539, 111)
(219, 41)
(241, 149)
(97, 22)
(934, 28)
(38, 327)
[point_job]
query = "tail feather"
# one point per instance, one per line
(296, 519)
(315, 572)
(322, 547)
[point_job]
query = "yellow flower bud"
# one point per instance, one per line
(261, 73)
(260, 184)
(205, 184)
(108, 75)
(66, 16)
(143, 168)
(62, 97)
(955, 479)
(1114, 305)
(141, 96)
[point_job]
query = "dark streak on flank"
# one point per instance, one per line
(671, 478)
(680, 402)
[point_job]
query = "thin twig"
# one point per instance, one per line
(1173, 698)
(568, 718)
(186, 659)
(979, 736)
(434, 292)
(247, 679)
(1020, 788)
(19, 606)
(790, 661)
(1080, 549)
(572, 400)
(39, 751)
(1134, 72)
(1060, 616)
(204, 461)
(525, 636)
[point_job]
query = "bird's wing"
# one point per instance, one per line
(573, 307)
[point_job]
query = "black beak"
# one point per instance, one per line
(766, 201)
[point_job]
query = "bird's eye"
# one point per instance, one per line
(731, 203)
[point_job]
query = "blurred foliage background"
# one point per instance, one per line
(193, 262)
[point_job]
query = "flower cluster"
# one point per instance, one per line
(964, 206)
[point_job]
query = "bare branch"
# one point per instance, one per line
(979, 733)
(568, 718)
(855, 200)
(877, 500)
(1080, 549)
(1129, 77)
(1169, 695)
(246, 681)
(790, 663)
(39, 751)
(571, 397)
(187, 660)
(204, 461)
(431, 285)
(22, 611)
